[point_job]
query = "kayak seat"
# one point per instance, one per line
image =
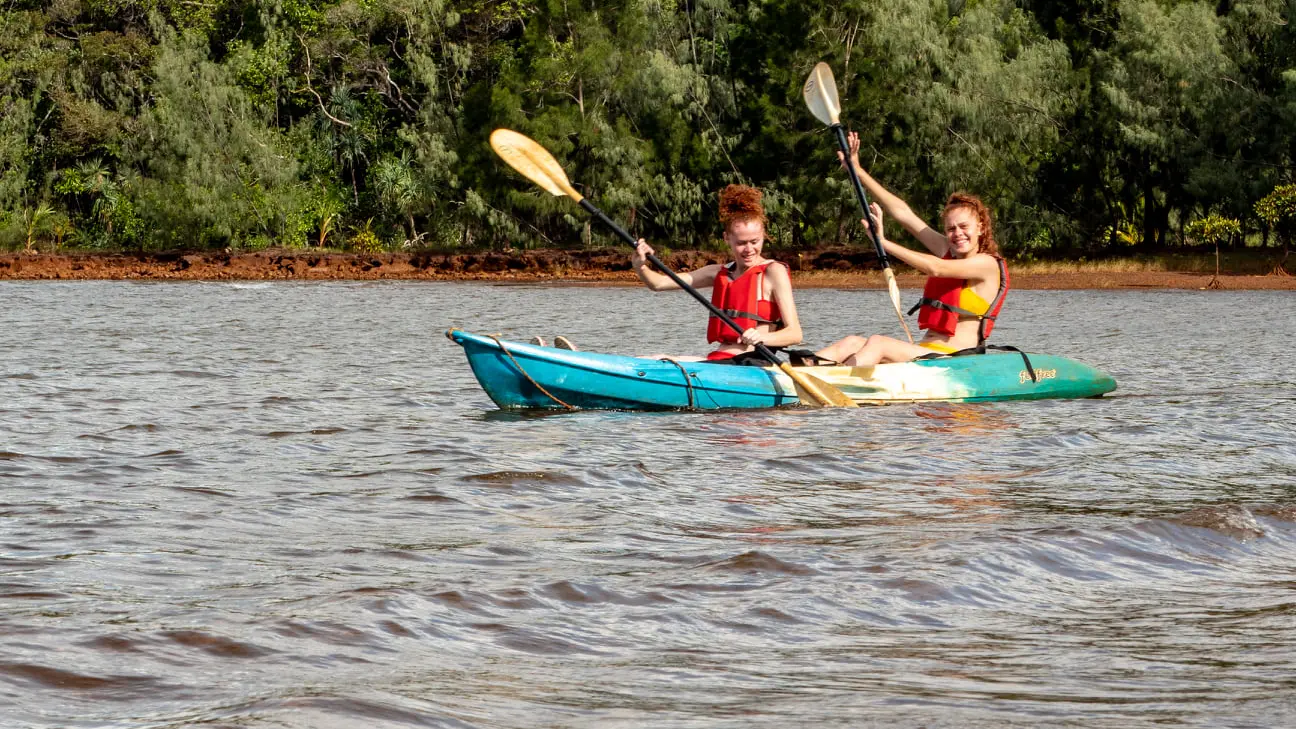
(807, 358)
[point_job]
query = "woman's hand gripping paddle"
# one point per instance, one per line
(820, 94)
(536, 164)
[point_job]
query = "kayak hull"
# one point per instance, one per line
(520, 376)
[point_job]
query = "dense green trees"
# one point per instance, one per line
(1090, 125)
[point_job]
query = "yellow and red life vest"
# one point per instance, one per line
(743, 300)
(945, 301)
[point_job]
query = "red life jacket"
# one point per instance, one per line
(743, 300)
(940, 308)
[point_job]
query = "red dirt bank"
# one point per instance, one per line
(825, 268)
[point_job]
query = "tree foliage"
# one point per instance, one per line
(1214, 229)
(1278, 209)
(1088, 125)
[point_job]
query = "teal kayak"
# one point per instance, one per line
(526, 376)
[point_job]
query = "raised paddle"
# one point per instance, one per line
(820, 94)
(536, 164)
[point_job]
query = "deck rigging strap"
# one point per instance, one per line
(1005, 348)
(688, 382)
(518, 365)
(981, 349)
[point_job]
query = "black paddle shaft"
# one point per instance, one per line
(592, 210)
(860, 194)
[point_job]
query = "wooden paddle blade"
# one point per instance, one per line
(533, 162)
(820, 92)
(894, 290)
(815, 392)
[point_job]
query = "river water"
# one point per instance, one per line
(291, 505)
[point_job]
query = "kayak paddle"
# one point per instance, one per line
(820, 94)
(535, 163)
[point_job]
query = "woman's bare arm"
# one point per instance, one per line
(657, 281)
(780, 282)
(894, 206)
(980, 267)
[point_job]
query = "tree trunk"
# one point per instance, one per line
(1215, 282)
(1149, 227)
(1155, 218)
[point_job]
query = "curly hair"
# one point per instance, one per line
(982, 212)
(740, 204)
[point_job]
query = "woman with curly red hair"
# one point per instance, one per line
(754, 291)
(967, 278)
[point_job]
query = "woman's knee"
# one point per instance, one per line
(853, 343)
(842, 347)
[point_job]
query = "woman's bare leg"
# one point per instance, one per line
(878, 349)
(839, 350)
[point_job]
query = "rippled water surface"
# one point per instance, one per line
(291, 505)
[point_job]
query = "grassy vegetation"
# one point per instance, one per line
(1238, 262)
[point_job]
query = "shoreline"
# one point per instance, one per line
(826, 268)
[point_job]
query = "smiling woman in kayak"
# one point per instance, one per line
(966, 283)
(753, 290)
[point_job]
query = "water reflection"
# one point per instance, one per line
(963, 418)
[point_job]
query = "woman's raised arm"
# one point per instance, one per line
(931, 239)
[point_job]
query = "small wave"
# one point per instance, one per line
(432, 496)
(200, 375)
(95, 436)
(56, 678)
(205, 491)
(509, 479)
(757, 561)
(769, 613)
(468, 601)
(216, 645)
(394, 628)
(323, 711)
(15, 456)
(328, 632)
(113, 644)
(23, 591)
(574, 594)
(920, 591)
(1281, 513)
(440, 452)
(531, 641)
(1231, 520)
(313, 431)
